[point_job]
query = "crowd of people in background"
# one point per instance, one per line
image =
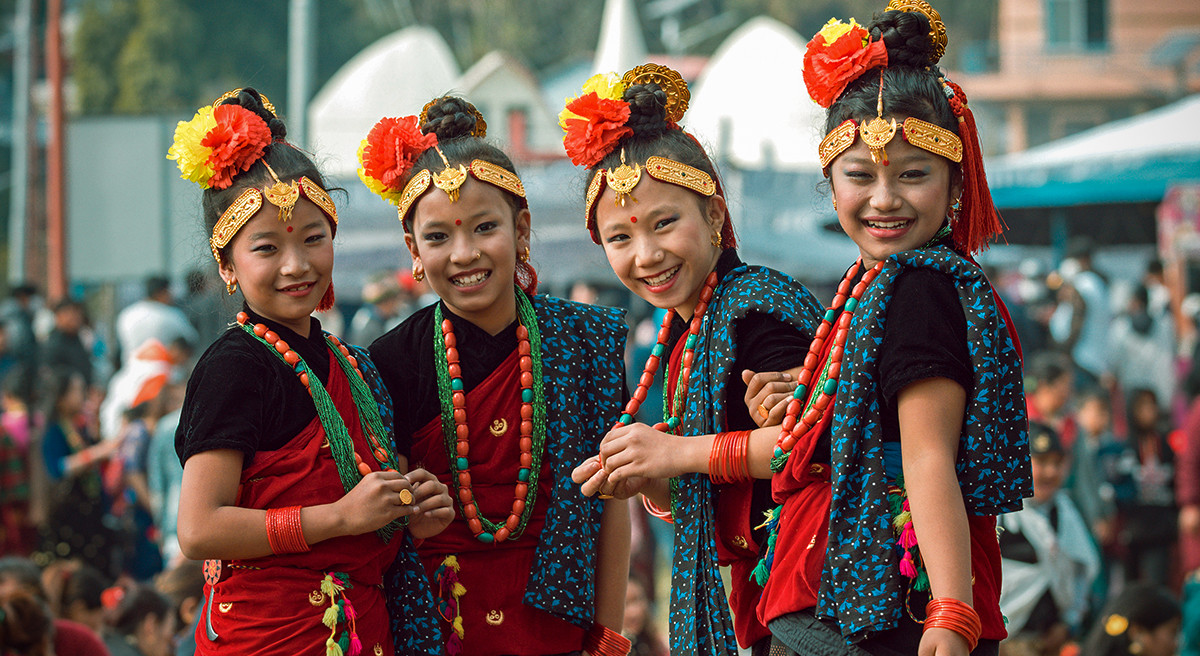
(89, 477)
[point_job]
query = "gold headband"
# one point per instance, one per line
(659, 168)
(933, 138)
(450, 179)
(280, 194)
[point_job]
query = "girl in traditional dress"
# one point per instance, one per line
(657, 207)
(291, 487)
(928, 427)
(500, 392)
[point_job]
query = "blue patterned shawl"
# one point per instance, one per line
(699, 614)
(862, 588)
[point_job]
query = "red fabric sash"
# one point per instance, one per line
(495, 620)
(273, 605)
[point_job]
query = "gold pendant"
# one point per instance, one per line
(498, 427)
(877, 134)
(622, 180)
(450, 179)
(284, 196)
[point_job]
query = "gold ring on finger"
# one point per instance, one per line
(406, 497)
(762, 411)
(604, 496)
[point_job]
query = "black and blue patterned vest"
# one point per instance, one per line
(700, 622)
(862, 588)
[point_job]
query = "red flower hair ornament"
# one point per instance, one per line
(594, 126)
(388, 153)
(838, 55)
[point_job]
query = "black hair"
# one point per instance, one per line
(83, 583)
(453, 119)
(1048, 367)
(288, 162)
(24, 572)
(139, 602)
(54, 386)
(1145, 605)
(910, 80)
(156, 284)
(26, 625)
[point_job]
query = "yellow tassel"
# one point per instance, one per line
(451, 562)
(332, 648)
(458, 590)
(331, 616)
(902, 519)
(458, 626)
(328, 587)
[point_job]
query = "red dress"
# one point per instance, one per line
(274, 605)
(494, 618)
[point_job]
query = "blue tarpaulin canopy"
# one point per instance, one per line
(1132, 160)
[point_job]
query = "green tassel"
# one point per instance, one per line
(922, 581)
(343, 641)
(341, 610)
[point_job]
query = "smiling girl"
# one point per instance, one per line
(500, 393)
(291, 488)
(928, 424)
(656, 206)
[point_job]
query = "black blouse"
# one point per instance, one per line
(242, 396)
(404, 357)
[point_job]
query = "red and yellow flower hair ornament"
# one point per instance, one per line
(219, 142)
(838, 55)
(594, 121)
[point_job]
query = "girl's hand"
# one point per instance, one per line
(639, 451)
(594, 480)
(436, 508)
(942, 642)
(374, 502)
(767, 395)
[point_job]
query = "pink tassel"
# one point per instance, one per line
(355, 645)
(906, 566)
(454, 646)
(350, 612)
(908, 537)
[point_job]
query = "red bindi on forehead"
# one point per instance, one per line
(289, 228)
(457, 222)
(633, 219)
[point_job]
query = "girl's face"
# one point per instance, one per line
(661, 246)
(283, 269)
(1145, 411)
(71, 402)
(1161, 641)
(1048, 471)
(468, 250)
(894, 208)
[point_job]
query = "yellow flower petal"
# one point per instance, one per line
(835, 28)
(188, 153)
(605, 85)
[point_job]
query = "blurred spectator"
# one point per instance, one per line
(78, 507)
(1080, 323)
(8, 360)
(130, 488)
(141, 621)
(583, 292)
(70, 638)
(383, 306)
(26, 627)
(74, 589)
(184, 587)
(1142, 475)
(639, 621)
(141, 380)
(18, 315)
(153, 317)
(165, 473)
(1048, 559)
(1086, 482)
(1049, 385)
(1144, 620)
(64, 349)
(203, 305)
(1142, 349)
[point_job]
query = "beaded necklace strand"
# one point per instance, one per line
(350, 466)
(456, 432)
(795, 423)
(673, 411)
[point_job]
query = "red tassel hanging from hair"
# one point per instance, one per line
(978, 221)
(326, 303)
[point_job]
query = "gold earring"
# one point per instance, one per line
(716, 239)
(231, 287)
(523, 257)
(418, 273)
(835, 204)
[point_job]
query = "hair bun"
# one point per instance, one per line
(905, 34)
(647, 109)
(250, 99)
(451, 117)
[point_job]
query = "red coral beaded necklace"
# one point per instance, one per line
(675, 416)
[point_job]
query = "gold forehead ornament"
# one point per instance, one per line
(450, 178)
(280, 194)
(623, 179)
(659, 168)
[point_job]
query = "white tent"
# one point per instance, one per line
(751, 104)
(1130, 160)
(395, 76)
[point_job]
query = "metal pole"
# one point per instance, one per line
(302, 60)
(56, 261)
(18, 208)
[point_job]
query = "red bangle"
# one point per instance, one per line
(603, 641)
(655, 511)
(284, 532)
(957, 616)
(729, 460)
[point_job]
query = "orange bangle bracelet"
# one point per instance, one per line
(957, 616)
